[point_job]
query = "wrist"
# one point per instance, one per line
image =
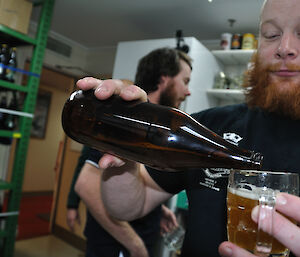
(137, 246)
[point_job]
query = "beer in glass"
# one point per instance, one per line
(246, 189)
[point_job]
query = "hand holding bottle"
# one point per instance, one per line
(105, 89)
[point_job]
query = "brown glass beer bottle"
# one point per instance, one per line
(158, 136)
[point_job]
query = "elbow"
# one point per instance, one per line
(82, 190)
(78, 187)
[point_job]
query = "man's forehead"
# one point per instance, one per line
(273, 6)
(273, 9)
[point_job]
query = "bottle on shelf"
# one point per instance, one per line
(3, 117)
(236, 41)
(158, 136)
(3, 104)
(3, 60)
(12, 64)
(11, 120)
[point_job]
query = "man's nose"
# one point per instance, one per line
(288, 47)
(188, 92)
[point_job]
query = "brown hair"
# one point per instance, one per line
(160, 62)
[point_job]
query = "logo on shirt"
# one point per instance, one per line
(213, 174)
(232, 138)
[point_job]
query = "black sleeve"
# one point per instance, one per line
(174, 182)
(171, 182)
(94, 156)
(73, 199)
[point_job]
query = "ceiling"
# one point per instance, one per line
(103, 23)
(98, 25)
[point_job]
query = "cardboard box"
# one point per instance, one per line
(16, 14)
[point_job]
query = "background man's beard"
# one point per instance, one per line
(267, 94)
(168, 96)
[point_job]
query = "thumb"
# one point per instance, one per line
(108, 161)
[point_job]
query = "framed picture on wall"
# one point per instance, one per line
(39, 122)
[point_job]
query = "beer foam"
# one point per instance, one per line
(247, 191)
(251, 192)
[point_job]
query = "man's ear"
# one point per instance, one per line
(163, 82)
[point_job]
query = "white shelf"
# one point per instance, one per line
(18, 113)
(233, 57)
(227, 94)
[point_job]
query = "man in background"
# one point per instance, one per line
(164, 74)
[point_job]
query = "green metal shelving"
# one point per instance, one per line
(14, 187)
(16, 38)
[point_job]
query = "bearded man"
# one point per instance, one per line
(268, 123)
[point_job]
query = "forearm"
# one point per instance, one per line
(120, 230)
(73, 199)
(88, 188)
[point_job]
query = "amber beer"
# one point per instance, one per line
(241, 229)
(247, 189)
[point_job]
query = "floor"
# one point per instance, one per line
(45, 246)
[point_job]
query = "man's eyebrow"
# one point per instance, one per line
(274, 21)
(270, 21)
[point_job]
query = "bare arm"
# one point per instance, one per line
(128, 192)
(88, 188)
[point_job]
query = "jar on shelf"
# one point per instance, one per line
(226, 41)
(220, 81)
(248, 41)
(236, 41)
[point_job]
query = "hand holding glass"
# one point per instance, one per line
(174, 239)
(246, 189)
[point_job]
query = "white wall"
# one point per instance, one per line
(100, 61)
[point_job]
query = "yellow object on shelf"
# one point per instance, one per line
(248, 41)
(17, 135)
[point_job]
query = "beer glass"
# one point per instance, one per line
(174, 239)
(246, 189)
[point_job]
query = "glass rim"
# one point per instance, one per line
(265, 172)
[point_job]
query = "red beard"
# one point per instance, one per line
(281, 96)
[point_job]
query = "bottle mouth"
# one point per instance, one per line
(257, 158)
